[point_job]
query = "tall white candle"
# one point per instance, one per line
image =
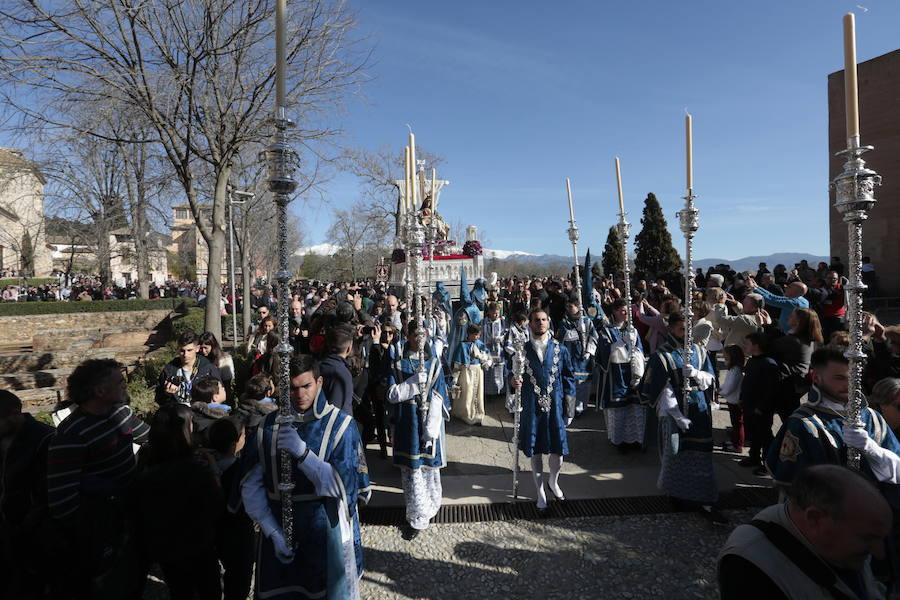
(434, 190)
(689, 140)
(569, 193)
(851, 95)
(279, 53)
(619, 185)
(412, 169)
(406, 177)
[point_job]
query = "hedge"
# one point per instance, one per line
(30, 281)
(54, 308)
(194, 320)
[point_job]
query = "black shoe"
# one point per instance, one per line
(410, 533)
(761, 471)
(713, 515)
(622, 448)
(749, 462)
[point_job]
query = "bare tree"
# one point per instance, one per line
(198, 73)
(85, 188)
(362, 234)
(378, 173)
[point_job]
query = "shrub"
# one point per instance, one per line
(53, 308)
(194, 320)
(149, 369)
(142, 399)
(44, 417)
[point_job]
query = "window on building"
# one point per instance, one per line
(181, 213)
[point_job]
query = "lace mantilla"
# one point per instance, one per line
(544, 400)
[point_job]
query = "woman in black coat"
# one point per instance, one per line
(178, 502)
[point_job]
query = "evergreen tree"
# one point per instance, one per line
(612, 254)
(654, 254)
(27, 254)
(596, 271)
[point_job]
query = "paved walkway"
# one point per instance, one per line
(480, 458)
(670, 556)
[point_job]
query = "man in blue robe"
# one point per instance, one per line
(467, 314)
(548, 383)
(576, 332)
(815, 433)
(329, 474)
(418, 426)
(621, 365)
(685, 424)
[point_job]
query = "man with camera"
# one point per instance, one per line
(179, 374)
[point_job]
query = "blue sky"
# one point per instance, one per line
(519, 95)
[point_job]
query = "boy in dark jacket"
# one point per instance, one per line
(758, 394)
(177, 378)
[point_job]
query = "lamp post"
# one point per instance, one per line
(244, 197)
(280, 161)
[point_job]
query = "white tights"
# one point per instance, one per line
(555, 462)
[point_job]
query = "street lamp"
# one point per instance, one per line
(242, 198)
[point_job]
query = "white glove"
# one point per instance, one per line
(408, 389)
(884, 463)
(586, 356)
(683, 422)
(322, 476)
(857, 437)
(290, 441)
(282, 552)
(689, 371)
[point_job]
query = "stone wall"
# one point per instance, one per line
(21, 329)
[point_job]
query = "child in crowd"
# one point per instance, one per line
(731, 392)
(470, 355)
(258, 400)
(758, 393)
(207, 406)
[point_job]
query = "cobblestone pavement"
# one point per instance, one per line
(668, 556)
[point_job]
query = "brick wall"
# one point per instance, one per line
(879, 122)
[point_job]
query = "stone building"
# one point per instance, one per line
(188, 244)
(22, 238)
(879, 120)
(80, 256)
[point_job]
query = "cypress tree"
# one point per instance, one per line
(654, 254)
(612, 254)
(27, 260)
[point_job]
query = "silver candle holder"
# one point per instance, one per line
(280, 160)
(689, 223)
(414, 243)
(854, 197)
(573, 238)
(623, 228)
